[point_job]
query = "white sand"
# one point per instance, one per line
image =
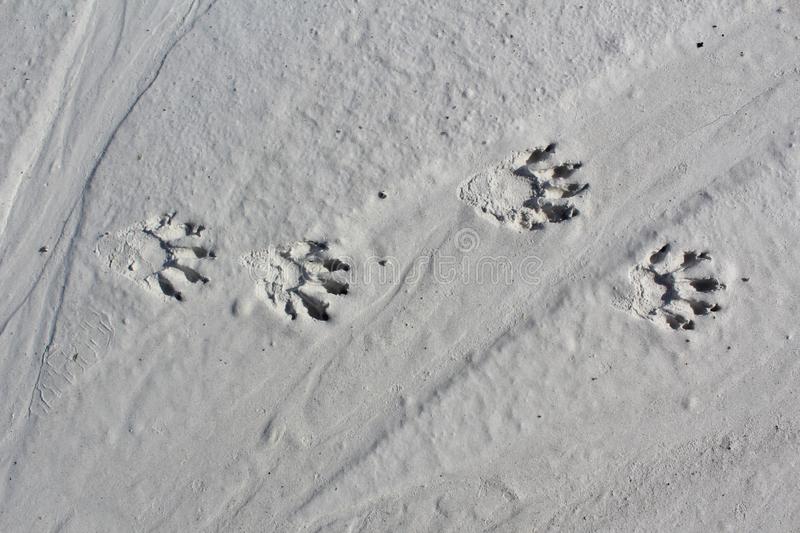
(212, 321)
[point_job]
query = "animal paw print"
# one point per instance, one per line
(675, 287)
(299, 276)
(159, 254)
(527, 191)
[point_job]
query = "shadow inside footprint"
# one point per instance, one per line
(316, 308)
(168, 288)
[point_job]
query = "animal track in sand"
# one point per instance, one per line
(528, 190)
(302, 275)
(159, 254)
(675, 287)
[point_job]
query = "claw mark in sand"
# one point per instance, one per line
(674, 287)
(527, 191)
(159, 254)
(300, 276)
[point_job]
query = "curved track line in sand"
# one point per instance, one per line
(78, 207)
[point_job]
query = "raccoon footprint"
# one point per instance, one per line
(300, 276)
(527, 191)
(159, 254)
(675, 288)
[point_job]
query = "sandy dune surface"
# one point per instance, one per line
(354, 265)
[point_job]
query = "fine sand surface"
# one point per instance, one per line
(362, 265)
